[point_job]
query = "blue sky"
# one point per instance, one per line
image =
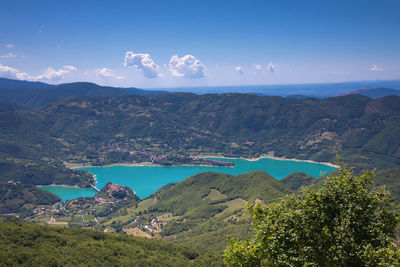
(150, 44)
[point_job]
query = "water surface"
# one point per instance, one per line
(67, 193)
(145, 180)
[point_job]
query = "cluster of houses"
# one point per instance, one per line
(154, 226)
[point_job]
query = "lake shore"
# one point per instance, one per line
(141, 164)
(61, 185)
(272, 157)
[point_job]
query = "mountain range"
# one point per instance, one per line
(38, 94)
(45, 128)
(134, 128)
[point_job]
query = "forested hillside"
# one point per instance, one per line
(144, 128)
(200, 211)
(37, 94)
(16, 197)
(34, 245)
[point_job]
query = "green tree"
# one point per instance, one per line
(345, 222)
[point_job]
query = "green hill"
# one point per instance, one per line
(200, 211)
(33, 245)
(137, 128)
(390, 178)
(113, 191)
(91, 212)
(195, 191)
(203, 210)
(34, 97)
(38, 173)
(16, 197)
(376, 92)
(298, 179)
(12, 84)
(36, 94)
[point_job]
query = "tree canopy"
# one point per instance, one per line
(345, 222)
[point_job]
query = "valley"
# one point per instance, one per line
(173, 166)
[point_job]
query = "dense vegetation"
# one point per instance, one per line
(391, 179)
(35, 94)
(34, 245)
(298, 179)
(91, 212)
(342, 223)
(39, 173)
(16, 197)
(200, 212)
(376, 92)
(154, 128)
(178, 128)
(191, 193)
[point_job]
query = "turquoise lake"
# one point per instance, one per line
(145, 180)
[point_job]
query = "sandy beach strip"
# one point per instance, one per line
(141, 164)
(61, 185)
(273, 157)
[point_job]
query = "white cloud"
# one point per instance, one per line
(24, 76)
(10, 45)
(239, 69)
(70, 68)
(257, 67)
(271, 68)
(11, 73)
(106, 73)
(187, 66)
(376, 68)
(52, 74)
(49, 73)
(142, 62)
(8, 72)
(9, 55)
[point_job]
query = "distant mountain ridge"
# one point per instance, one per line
(375, 92)
(315, 90)
(11, 84)
(36, 94)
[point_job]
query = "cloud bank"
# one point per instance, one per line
(54, 75)
(48, 74)
(257, 67)
(9, 72)
(142, 62)
(106, 73)
(270, 68)
(187, 66)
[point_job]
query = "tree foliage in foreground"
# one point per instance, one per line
(33, 245)
(345, 222)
